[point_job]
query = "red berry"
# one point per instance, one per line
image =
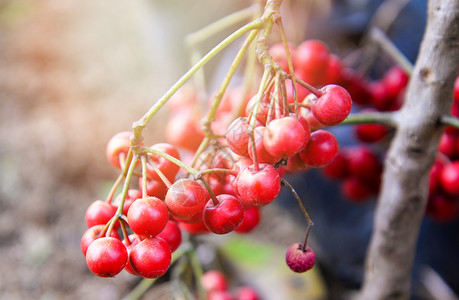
(214, 280)
(194, 228)
(448, 144)
(299, 259)
(443, 208)
(186, 199)
(237, 137)
(450, 178)
(312, 61)
(118, 145)
(148, 216)
(224, 217)
(333, 106)
(183, 130)
(150, 258)
(263, 156)
(395, 81)
(456, 89)
(92, 234)
(295, 164)
(334, 70)
(132, 242)
(356, 189)
(250, 221)
(131, 196)
(321, 149)
(155, 188)
(168, 168)
(99, 213)
(257, 188)
(246, 293)
(278, 54)
(284, 137)
(106, 257)
(172, 235)
(338, 168)
(363, 163)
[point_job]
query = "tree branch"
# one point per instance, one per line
(404, 191)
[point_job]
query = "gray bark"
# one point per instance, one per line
(403, 197)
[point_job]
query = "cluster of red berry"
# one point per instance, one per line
(216, 287)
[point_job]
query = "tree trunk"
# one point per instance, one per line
(404, 191)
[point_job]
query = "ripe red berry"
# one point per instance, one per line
(172, 235)
(237, 137)
(363, 162)
(278, 54)
(257, 188)
(333, 106)
(186, 199)
(131, 196)
(356, 189)
(224, 217)
(150, 258)
(194, 228)
(311, 61)
(214, 280)
(448, 144)
(118, 145)
(449, 178)
(299, 259)
(106, 257)
(284, 137)
(246, 293)
(155, 188)
(183, 130)
(263, 156)
(148, 216)
(168, 168)
(251, 220)
(99, 213)
(443, 208)
(321, 149)
(133, 240)
(394, 81)
(338, 168)
(92, 234)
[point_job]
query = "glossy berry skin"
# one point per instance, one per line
(186, 199)
(99, 213)
(150, 258)
(263, 156)
(118, 144)
(300, 260)
(311, 61)
(106, 257)
(214, 280)
(333, 106)
(133, 241)
(155, 188)
(168, 168)
(449, 178)
(321, 149)
(258, 188)
(148, 216)
(92, 234)
(131, 196)
(172, 235)
(237, 137)
(284, 137)
(251, 220)
(224, 217)
(194, 228)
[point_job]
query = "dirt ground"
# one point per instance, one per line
(72, 73)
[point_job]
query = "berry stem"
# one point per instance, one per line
(377, 35)
(318, 93)
(159, 172)
(305, 243)
(124, 192)
(114, 188)
(144, 176)
(209, 189)
(172, 159)
(142, 122)
(449, 120)
(218, 170)
(386, 118)
(123, 223)
(303, 209)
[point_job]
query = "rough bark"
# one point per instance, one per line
(404, 190)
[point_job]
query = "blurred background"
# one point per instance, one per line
(73, 73)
